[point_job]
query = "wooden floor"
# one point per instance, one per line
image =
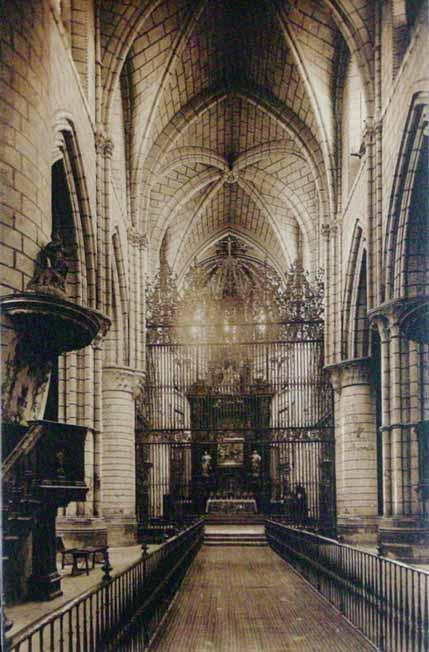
(249, 600)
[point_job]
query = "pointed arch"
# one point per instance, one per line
(67, 154)
(117, 343)
(355, 326)
(398, 228)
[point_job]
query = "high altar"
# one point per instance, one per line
(229, 418)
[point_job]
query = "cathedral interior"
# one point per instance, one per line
(215, 318)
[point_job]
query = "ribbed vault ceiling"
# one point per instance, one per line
(230, 118)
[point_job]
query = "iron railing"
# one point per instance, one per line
(128, 607)
(387, 600)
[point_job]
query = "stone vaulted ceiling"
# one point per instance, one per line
(229, 118)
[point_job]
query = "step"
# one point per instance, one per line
(235, 538)
(223, 519)
(247, 544)
(243, 538)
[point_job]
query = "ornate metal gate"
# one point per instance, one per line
(229, 401)
(238, 413)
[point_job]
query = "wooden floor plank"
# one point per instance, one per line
(250, 600)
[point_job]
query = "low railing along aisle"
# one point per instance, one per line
(121, 613)
(387, 600)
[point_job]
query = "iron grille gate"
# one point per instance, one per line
(245, 416)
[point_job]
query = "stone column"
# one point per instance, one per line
(118, 476)
(356, 442)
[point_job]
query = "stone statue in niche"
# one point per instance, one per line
(255, 464)
(206, 464)
(51, 268)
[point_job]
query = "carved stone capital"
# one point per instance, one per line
(136, 239)
(109, 146)
(335, 378)
(120, 379)
(325, 230)
(100, 138)
(406, 316)
(381, 325)
(140, 383)
(350, 372)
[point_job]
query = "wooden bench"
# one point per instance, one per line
(81, 557)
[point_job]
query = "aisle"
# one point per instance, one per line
(238, 599)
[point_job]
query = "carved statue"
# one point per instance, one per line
(256, 463)
(51, 267)
(206, 464)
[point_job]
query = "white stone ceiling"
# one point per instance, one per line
(229, 110)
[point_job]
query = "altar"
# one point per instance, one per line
(231, 506)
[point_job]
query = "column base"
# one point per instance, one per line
(405, 538)
(81, 532)
(121, 531)
(358, 529)
(45, 587)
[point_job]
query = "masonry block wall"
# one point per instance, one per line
(26, 164)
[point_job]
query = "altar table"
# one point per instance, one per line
(231, 506)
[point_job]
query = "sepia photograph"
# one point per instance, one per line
(214, 272)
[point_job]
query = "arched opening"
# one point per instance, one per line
(361, 319)
(63, 228)
(417, 259)
(63, 225)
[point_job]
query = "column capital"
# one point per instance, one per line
(406, 316)
(104, 143)
(325, 230)
(136, 238)
(109, 146)
(99, 139)
(140, 385)
(119, 378)
(350, 372)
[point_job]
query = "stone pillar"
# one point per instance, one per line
(356, 443)
(118, 477)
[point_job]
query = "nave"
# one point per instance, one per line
(247, 599)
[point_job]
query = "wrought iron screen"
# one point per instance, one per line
(237, 410)
(295, 482)
(230, 394)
